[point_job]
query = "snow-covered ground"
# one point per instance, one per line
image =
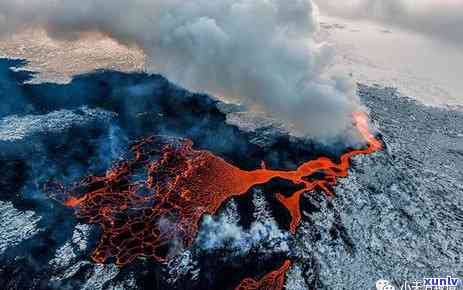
(426, 69)
(59, 60)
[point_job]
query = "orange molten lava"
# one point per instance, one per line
(151, 205)
(272, 281)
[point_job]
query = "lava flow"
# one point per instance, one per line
(274, 280)
(151, 204)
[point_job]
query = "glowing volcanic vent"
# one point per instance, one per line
(151, 204)
(272, 281)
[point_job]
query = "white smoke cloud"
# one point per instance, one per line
(261, 51)
(219, 233)
(441, 19)
(224, 231)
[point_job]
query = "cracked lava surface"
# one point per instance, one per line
(151, 203)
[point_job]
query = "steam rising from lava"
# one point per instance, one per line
(262, 51)
(151, 205)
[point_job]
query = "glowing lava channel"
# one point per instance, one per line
(274, 280)
(151, 205)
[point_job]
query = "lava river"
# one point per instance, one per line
(274, 280)
(153, 201)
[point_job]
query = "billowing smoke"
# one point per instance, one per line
(260, 51)
(440, 19)
(220, 233)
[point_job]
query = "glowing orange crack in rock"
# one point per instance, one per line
(153, 202)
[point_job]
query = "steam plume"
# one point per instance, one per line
(260, 51)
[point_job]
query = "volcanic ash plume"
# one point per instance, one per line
(262, 51)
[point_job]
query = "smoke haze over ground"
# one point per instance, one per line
(441, 19)
(261, 52)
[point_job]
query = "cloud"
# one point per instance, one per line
(441, 19)
(262, 52)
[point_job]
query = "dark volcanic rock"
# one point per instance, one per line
(398, 216)
(65, 132)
